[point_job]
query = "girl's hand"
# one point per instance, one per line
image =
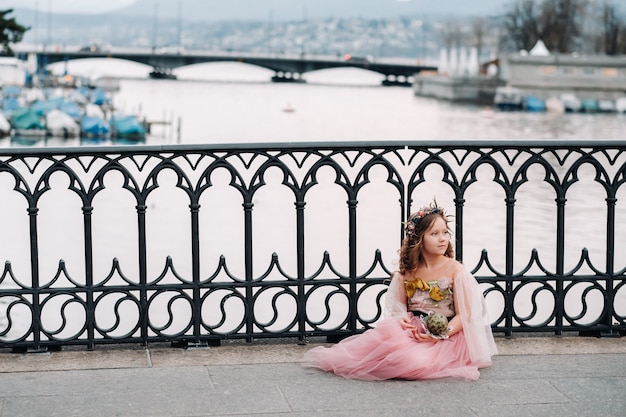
(405, 322)
(424, 338)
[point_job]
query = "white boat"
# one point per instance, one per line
(571, 103)
(93, 110)
(555, 105)
(32, 95)
(5, 126)
(61, 124)
(620, 105)
(606, 106)
(77, 96)
(509, 98)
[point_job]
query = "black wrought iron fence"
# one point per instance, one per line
(196, 244)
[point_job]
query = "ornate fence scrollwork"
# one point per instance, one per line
(196, 244)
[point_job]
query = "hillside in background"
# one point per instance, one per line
(304, 9)
(378, 28)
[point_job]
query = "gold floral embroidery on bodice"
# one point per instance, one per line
(427, 296)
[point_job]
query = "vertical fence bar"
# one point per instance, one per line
(300, 258)
(195, 271)
(34, 265)
(458, 216)
(509, 268)
(143, 272)
(610, 267)
(247, 206)
(91, 317)
(353, 253)
(560, 264)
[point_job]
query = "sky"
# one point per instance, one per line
(67, 6)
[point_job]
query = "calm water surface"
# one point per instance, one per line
(235, 103)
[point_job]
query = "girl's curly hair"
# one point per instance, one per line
(414, 228)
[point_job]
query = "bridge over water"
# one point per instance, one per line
(287, 68)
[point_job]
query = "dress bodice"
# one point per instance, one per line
(435, 296)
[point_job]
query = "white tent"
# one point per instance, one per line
(442, 67)
(453, 62)
(472, 63)
(462, 63)
(539, 49)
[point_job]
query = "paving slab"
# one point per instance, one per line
(530, 377)
(68, 360)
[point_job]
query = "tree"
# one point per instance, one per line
(613, 30)
(479, 31)
(520, 25)
(10, 31)
(558, 23)
(452, 34)
(561, 24)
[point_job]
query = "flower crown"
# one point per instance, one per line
(411, 224)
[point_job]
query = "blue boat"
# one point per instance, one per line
(94, 126)
(71, 108)
(534, 104)
(128, 127)
(590, 106)
(10, 105)
(43, 107)
(27, 122)
(100, 97)
(11, 91)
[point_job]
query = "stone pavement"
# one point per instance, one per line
(531, 376)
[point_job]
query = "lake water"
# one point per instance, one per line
(236, 103)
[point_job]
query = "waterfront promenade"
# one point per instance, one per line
(531, 376)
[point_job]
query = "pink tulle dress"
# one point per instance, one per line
(389, 351)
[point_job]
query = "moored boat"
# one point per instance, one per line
(94, 126)
(11, 91)
(10, 105)
(162, 74)
(127, 126)
(72, 109)
(555, 105)
(100, 97)
(42, 107)
(508, 98)
(589, 106)
(571, 103)
(5, 126)
(26, 122)
(534, 104)
(61, 124)
(606, 106)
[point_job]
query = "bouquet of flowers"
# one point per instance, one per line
(436, 325)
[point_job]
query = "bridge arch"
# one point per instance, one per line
(285, 67)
